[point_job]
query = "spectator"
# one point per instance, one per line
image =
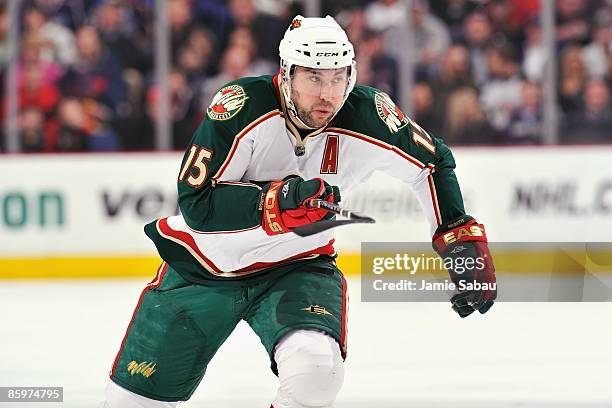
(267, 30)
(69, 13)
(526, 119)
(216, 17)
(572, 22)
(183, 112)
(453, 13)
(593, 123)
(523, 11)
(180, 22)
(595, 55)
(196, 58)
(138, 22)
(431, 39)
(242, 38)
(466, 122)
(214, 41)
(355, 25)
(500, 13)
(235, 64)
(4, 46)
(609, 75)
(133, 129)
(32, 130)
(338, 7)
(384, 14)
(32, 54)
(502, 93)
(74, 127)
(364, 70)
(572, 79)
(477, 33)
(34, 92)
(383, 67)
(96, 75)
(192, 63)
(204, 42)
(534, 52)
(425, 113)
(455, 74)
(280, 8)
(118, 36)
(58, 40)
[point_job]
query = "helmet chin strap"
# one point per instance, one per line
(291, 107)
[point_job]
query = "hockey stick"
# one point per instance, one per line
(320, 226)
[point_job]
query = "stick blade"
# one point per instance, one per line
(320, 226)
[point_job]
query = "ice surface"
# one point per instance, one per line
(66, 333)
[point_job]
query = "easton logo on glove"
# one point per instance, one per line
(463, 234)
(465, 238)
(283, 212)
(468, 230)
(271, 215)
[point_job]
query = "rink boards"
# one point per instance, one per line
(79, 216)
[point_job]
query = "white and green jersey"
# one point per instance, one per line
(246, 141)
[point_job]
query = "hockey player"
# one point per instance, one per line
(266, 147)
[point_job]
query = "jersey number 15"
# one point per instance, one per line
(196, 161)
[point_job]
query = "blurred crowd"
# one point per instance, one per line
(86, 67)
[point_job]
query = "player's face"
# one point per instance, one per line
(318, 93)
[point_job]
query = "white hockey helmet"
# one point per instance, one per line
(318, 43)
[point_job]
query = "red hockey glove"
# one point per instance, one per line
(284, 203)
(462, 244)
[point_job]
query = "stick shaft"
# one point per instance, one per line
(335, 208)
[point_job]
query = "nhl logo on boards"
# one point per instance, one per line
(227, 103)
(389, 113)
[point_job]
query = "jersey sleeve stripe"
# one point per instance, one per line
(240, 183)
(344, 330)
(221, 232)
(378, 143)
(237, 139)
(186, 241)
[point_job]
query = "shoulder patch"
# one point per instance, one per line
(389, 113)
(227, 102)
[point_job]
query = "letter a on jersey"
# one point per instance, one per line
(227, 103)
(329, 164)
(389, 112)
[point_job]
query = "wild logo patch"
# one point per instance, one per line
(389, 112)
(227, 102)
(145, 368)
